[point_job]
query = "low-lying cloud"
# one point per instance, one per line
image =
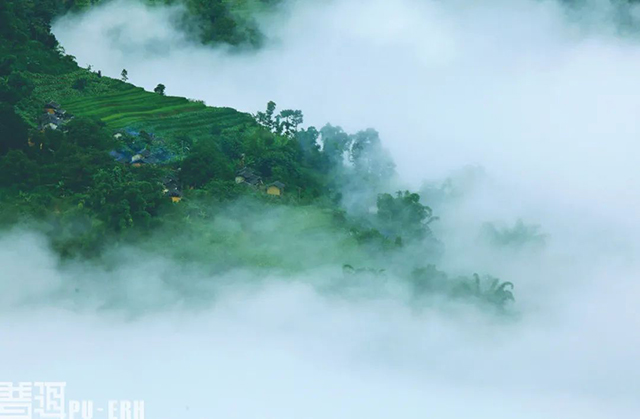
(280, 348)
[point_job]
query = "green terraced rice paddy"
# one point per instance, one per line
(169, 117)
(122, 105)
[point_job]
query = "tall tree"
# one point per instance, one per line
(370, 159)
(122, 201)
(404, 215)
(17, 170)
(204, 163)
(335, 144)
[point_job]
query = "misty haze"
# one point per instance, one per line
(321, 209)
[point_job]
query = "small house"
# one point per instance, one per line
(169, 183)
(138, 159)
(248, 176)
(49, 121)
(275, 188)
(171, 188)
(175, 195)
(52, 108)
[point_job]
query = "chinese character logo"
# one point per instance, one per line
(28, 400)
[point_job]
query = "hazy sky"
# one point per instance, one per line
(544, 100)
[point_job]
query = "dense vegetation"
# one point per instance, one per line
(94, 162)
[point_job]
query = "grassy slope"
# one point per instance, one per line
(122, 105)
(232, 235)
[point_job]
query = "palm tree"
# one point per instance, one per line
(500, 293)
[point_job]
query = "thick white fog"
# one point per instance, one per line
(544, 100)
(283, 350)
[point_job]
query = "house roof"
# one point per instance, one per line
(174, 193)
(52, 105)
(249, 176)
(253, 180)
(169, 179)
(245, 171)
(47, 118)
(278, 184)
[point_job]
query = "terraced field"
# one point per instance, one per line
(168, 117)
(121, 105)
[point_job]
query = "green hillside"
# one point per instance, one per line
(124, 106)
(197, 183)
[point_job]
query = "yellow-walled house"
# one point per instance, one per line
(175, 195)
(275, 189)
(171, 188)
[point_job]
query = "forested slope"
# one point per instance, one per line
(95, 163)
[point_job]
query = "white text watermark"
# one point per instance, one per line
(47, 400)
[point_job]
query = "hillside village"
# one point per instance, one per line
(248, 176)
(137, 148)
